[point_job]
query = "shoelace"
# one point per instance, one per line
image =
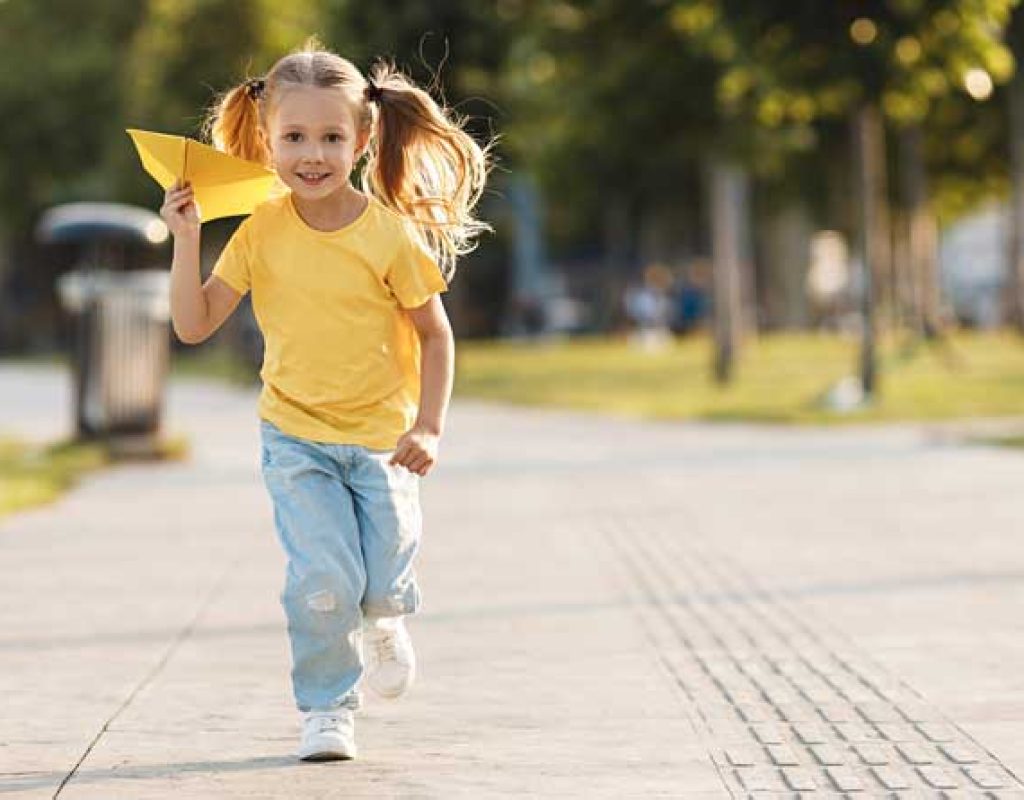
(328, 723)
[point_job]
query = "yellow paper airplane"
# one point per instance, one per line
(224, 186)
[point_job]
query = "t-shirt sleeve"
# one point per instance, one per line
(414, 276)
(234, 265)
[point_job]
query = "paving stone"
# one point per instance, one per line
(838, 712)
(858, 732)
(728, 732)
(760, 779)
(898, 731)
(915, 753)
(872, 754)
(892, 777)
(810, 733)
(769, 733)
(859, 695)
(756, 712)
(878, 712)
(961, 753)
(821, 695)
(720, 711)
(915, 711)
(987, 777)
(797, 712)
(937, 731)
(828, 755)
(783, 756)
(782, 697)
(844, 779)
(801, 780)
(742, 756)
(940, 777)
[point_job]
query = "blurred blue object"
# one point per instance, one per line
(85, 221)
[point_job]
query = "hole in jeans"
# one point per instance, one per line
(321, 601)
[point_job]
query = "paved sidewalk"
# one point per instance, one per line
(612, 609)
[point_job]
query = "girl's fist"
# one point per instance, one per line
(179, 210)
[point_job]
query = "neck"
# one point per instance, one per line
(333, 211)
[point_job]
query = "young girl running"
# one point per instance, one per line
(357, 369)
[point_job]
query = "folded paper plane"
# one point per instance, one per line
(223, 185)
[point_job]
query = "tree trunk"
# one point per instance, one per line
(868, 146)
(1016, 278)
(728, 202)
(529, 271)
(922, 235)
(786, 250)
(616, 257)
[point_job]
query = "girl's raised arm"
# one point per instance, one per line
(196, 310)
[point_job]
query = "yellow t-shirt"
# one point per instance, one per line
(342, 359)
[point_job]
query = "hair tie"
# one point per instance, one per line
(373, 92)
(255, 88)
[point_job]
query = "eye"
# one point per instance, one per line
(288, 136)
(335, 137)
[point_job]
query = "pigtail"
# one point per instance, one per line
(233, 123)
(423, 165)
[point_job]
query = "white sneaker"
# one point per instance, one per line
(328, 736)
(390, 659)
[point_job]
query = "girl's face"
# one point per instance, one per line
(314, 141)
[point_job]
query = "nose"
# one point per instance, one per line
(313, 151)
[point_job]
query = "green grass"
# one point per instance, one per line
(33, 474)
(779, 378)
(1016, 442)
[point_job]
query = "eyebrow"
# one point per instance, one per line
(331, 127)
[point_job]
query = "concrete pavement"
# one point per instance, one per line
(611, 609)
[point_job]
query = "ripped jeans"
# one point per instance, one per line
(350, 526)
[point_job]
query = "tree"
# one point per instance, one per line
(59, 97)
(1016, 126)
(789, 67)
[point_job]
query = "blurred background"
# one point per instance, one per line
(702, 208)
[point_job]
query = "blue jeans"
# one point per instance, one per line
(350, 526)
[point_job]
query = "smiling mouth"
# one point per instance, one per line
(314, 177)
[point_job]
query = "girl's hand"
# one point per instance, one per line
(416, 450)
(179, 210)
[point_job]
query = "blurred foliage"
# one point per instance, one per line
(608, 105)
(595, 98)
(786, 63)
(60, 99)
(792, 67)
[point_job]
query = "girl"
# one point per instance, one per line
(357, 370)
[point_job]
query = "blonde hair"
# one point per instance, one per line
(420, 162)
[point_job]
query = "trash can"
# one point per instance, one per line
(121, 349)
(121, 319)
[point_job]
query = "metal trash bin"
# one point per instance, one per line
(121, 347)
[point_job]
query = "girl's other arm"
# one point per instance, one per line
(196, 311)
(417, 449)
